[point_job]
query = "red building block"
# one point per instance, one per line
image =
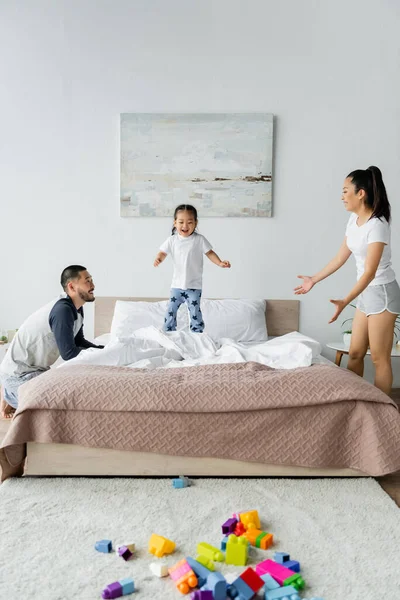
(250, 577)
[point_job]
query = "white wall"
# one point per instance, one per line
(329, 71)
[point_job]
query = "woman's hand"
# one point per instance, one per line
(306, 286)
(340, 305)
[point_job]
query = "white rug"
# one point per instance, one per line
(344, 533)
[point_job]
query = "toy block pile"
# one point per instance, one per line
(276, 579)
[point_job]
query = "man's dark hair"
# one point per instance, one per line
(69, 273)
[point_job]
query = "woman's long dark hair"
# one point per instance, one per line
(370, 180)
(188, 208)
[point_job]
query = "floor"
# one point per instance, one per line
(390, 483)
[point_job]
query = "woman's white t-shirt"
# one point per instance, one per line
(187, 255)
(358, 238)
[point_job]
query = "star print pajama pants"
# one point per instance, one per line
(192, 299)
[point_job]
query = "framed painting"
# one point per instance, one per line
(220, 163)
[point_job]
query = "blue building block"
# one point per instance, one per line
(199, 569)
(181, 482)
(281, 557)
(223, 543)
(216, 583)
(293, 565)
(239, 590)
(287, 592)
(128, 586)
(103, 546)
(270, 583)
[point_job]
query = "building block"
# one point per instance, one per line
(239, 529)
(200, 570)
(159, 545)
(239, 590)
(229, 526)
(280, 573)
(179, 569)
(250, 519)
(128, 586)
(223, 543)
(124, 552)
(281, 557)
(202, 595)
(283, 593)
(181, 482)
(293, 565)
(183, 576)
(206, 562)
(209, 551)
(118, 589)
(113, 590)
(264, 541)
(269, 582)
(231, 577)
(103, 546)
(259, 539)
(296, 581)
(159, 569)
(130, 546)
(253, 580)
(216, 583)
(236, 550)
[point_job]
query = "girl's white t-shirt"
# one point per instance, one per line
(358, 238)
(187, 256)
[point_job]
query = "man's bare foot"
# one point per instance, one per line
(6, 411)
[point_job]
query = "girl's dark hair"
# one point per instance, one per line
(370, 180)
(188, 208)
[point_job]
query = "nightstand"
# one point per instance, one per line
(342, 349)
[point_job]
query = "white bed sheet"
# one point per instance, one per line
(152, 348)
(318, 359)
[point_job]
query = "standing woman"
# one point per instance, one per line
(378, 304)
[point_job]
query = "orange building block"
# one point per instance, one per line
(259, 539)
(159, 545)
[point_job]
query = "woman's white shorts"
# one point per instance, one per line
(376, 299)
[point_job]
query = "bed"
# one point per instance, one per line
(229, 420)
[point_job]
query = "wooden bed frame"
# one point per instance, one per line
(282, 316)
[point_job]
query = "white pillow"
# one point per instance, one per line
(103, 339)
(130, 316)
(240, 320)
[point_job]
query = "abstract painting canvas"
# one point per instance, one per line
(220, 163)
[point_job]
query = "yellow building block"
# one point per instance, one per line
(159, 545)
(250, 519)
(237, 550)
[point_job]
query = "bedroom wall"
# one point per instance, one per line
(329, 72)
